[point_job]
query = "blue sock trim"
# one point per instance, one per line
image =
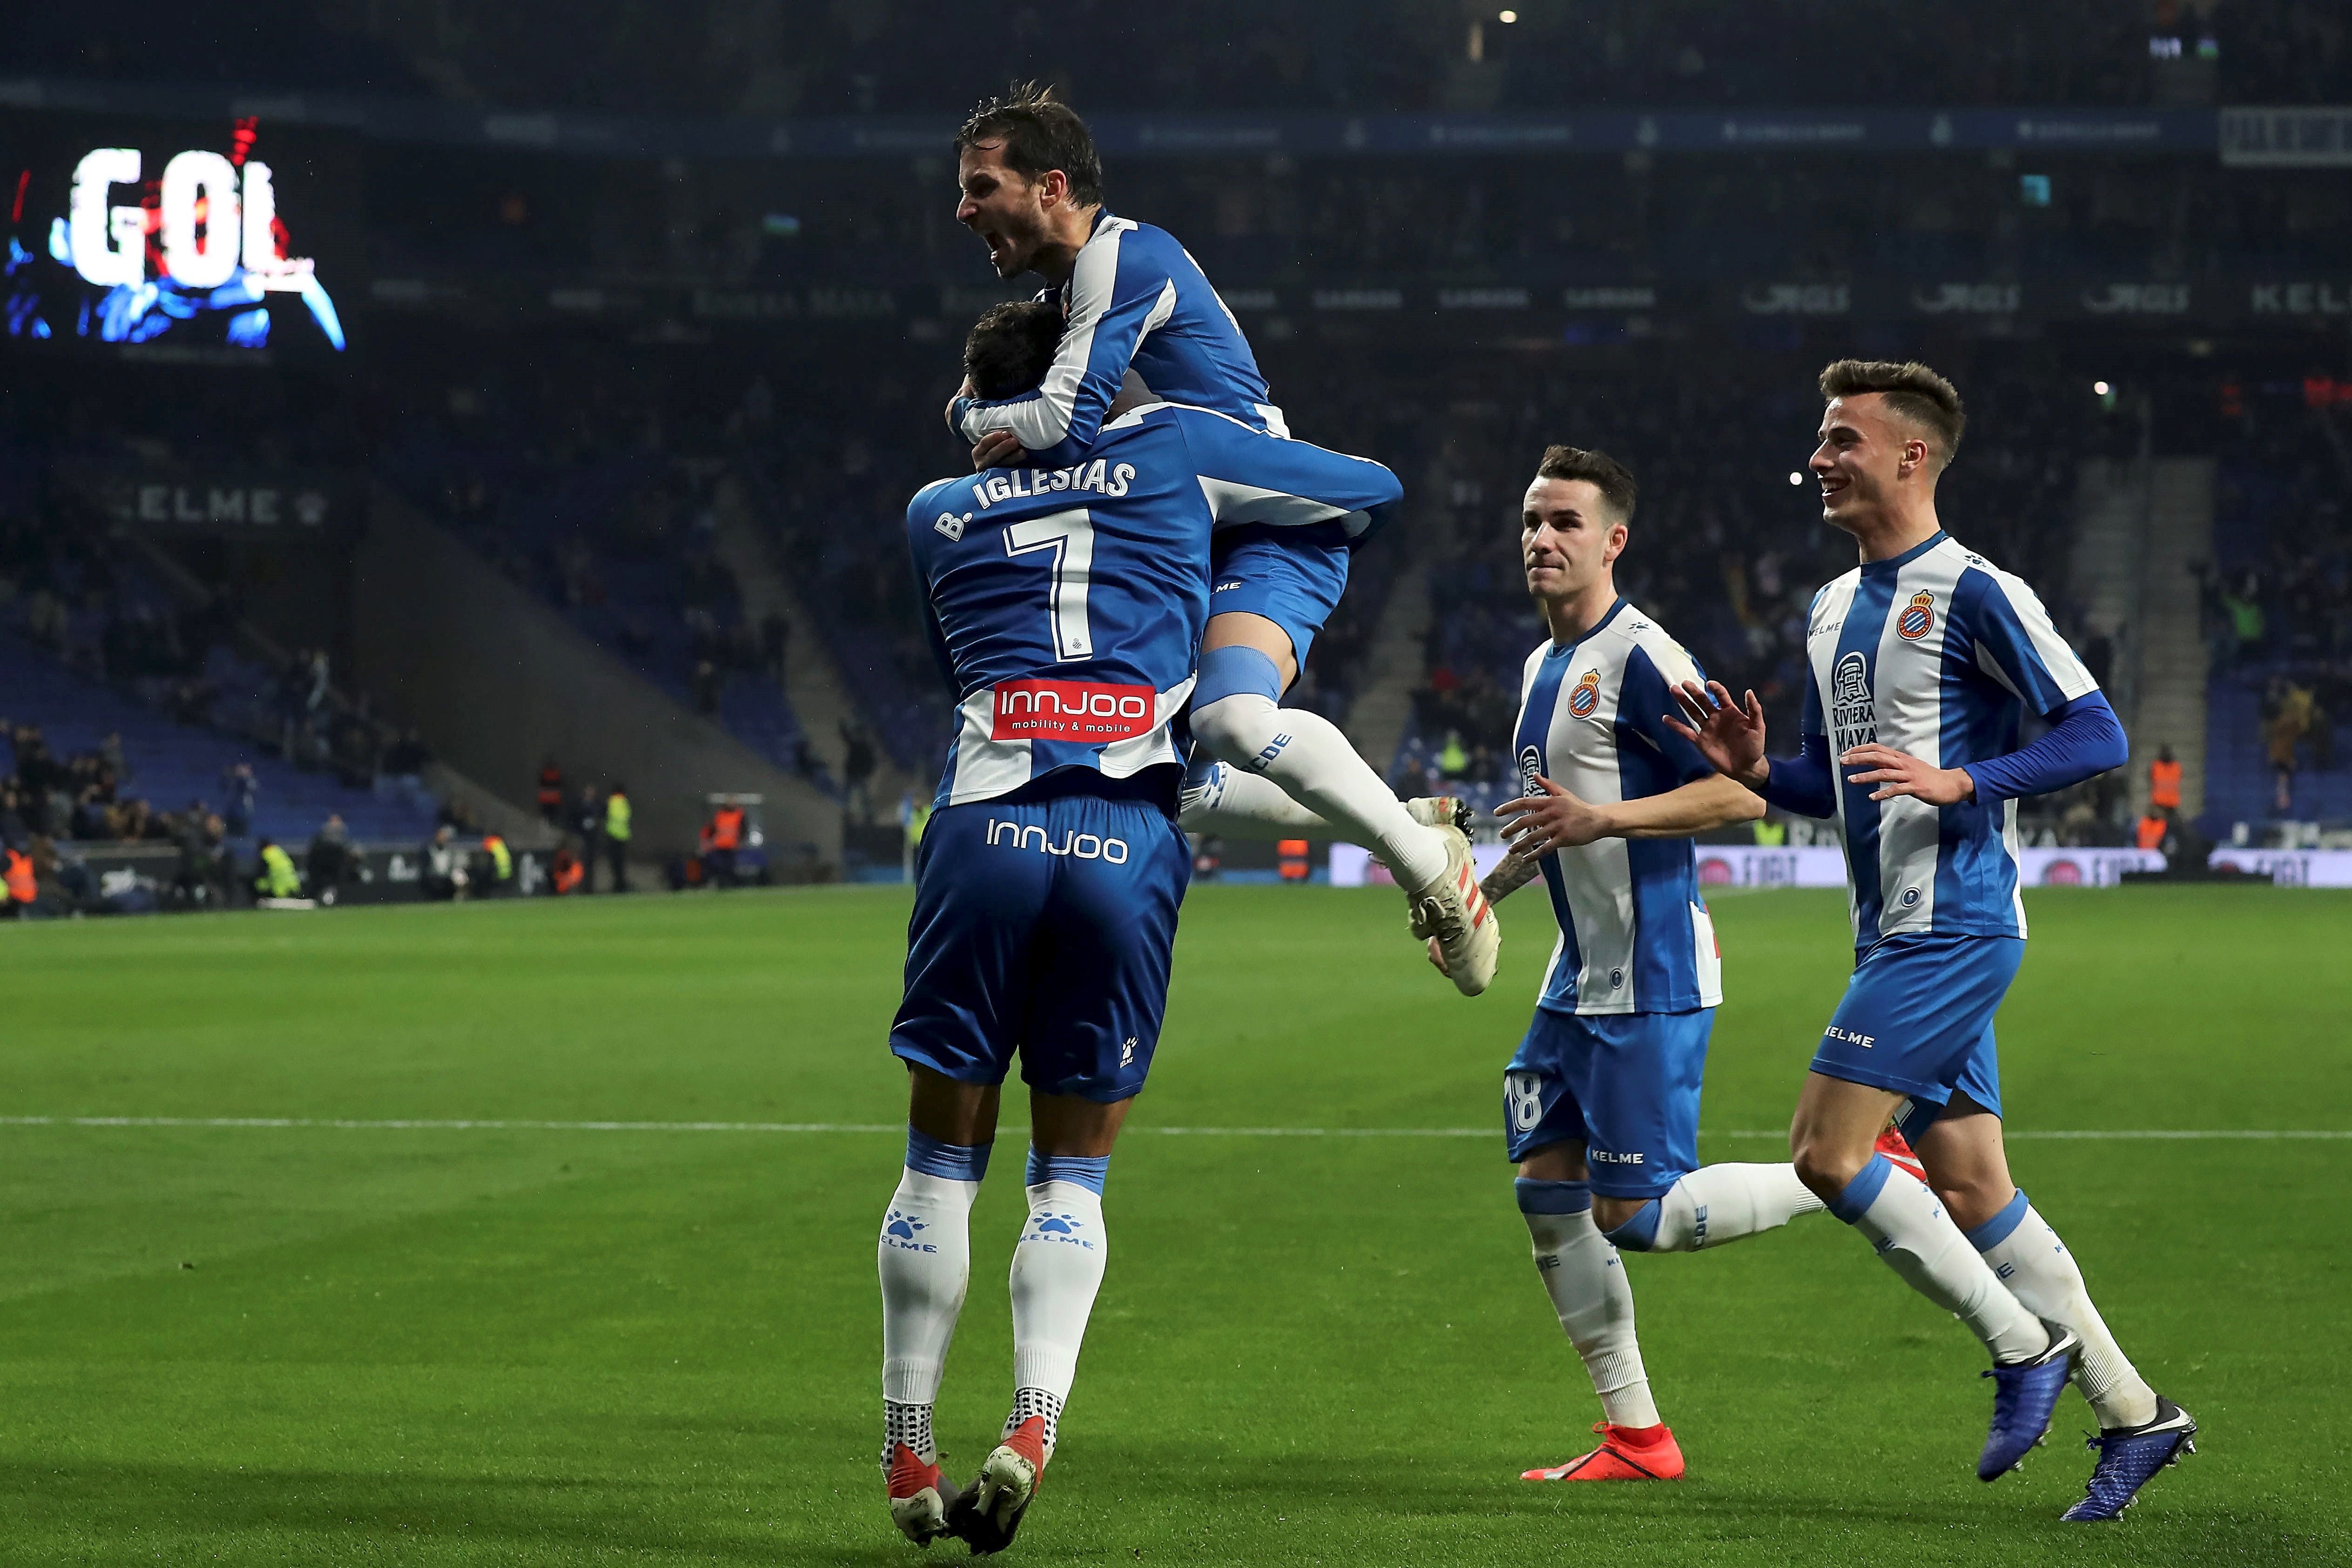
(1996, 1231)
(956, 1162)
(1637, 1234)
(1552, 1197)
(1232, 669)
(1088, 1172)
(1862, 1190)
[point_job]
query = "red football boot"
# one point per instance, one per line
(1625, 1453)
(918, 1496)
(1899, 1155)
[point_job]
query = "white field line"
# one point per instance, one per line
(414, 1124)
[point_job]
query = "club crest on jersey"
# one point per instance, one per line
(1918, 618)
(1587, 695)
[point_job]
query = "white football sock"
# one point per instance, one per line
(1585, 1280)
(1057, 1267)
(2025, 1253)
(1222, 799)
(1306, 754)
(1716, 1204)
(925, 1260)
(1919, 1240)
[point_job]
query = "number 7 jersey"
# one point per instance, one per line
(1065, 605)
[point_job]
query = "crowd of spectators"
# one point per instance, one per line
(2277, 598)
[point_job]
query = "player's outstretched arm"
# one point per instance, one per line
(1557, 820)
(1512, 873)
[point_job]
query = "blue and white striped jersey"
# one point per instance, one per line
(1065, 605)
(1935, 652)
(1135, 299)
(1635, 935)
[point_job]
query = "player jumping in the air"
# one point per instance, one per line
(1922, 659)
(1600, 1101)
(1067, 606)
(1140, 312)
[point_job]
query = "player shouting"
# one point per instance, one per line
(1921, 658)
(1065, 605)
(1600, 1101)
(1139, 310)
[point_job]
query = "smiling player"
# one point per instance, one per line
(1600, 1101)
(1142, 317)
(1922, 659)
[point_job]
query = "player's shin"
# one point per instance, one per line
(1585, 1280)
(2029, 1258)
(1057, 1267)
(1716, 1204)
(924, 1257)
(1919, 1240)
(1237, 717)
(1233, 803)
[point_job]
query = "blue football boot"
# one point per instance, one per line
(2129, 1457)
(2024, 1396)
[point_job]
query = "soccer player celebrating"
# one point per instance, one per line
(1067, 606)
(1141, 316)
(1921, 658)
(1600, 1101)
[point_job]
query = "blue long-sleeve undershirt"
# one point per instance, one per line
(2084, 739)
(1803, 783)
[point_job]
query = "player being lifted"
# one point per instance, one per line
(1922, 659)
(1066, 606)
(1600, 1101)
(1141, 315)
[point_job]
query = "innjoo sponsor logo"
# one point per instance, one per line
(1082, 846)
(1089, 711)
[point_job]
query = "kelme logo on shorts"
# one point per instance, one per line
(1918, 618)
(1587, 695)
(1088, 711)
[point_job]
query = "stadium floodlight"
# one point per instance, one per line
(1795, 477)
(2100, 389)
(1508, 16)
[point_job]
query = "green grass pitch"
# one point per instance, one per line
(425, 1345)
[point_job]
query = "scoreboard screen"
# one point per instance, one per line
(226, 237)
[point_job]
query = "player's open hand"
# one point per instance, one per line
(1729, 735)
(997, 449)
(1555, 819)
(1900, 773)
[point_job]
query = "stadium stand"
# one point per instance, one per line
(2278, 606)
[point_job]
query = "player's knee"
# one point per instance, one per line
(1629, 1223)
(1234, 729)
(1973, 1203)
(1825, 1167)
(1234, 701)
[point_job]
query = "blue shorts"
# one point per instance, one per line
(1293, 576)
(1044, 926)
(1625, 1085)
(1917, 1019)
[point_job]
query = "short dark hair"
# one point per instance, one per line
(1009, 348)
(1596, 468)
(1038, 132)
(1913, 391)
